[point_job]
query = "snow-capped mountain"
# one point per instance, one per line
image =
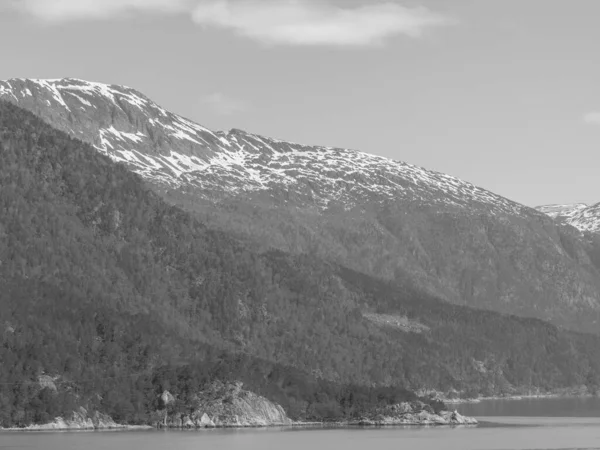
(579, 215)
(562, 211)
(382, 217)
(169, 150)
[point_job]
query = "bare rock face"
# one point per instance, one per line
(47, 382)
(167, 398)
(79, 420)
(229, 405)
(205, 422)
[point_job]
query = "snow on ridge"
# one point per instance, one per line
(7, 91)
(81, 99)
(579, 215)
(561, 209)
(122, 136)
(586, 219)
(416, 174)
(111, 92)
(105, 90)
(236, 161)
(177, 126)
(244, 160)
(564, 211)
(51, 87)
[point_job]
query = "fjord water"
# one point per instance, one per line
(574, 435)
(533, 407)
(515, 428)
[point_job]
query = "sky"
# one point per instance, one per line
(502, 93)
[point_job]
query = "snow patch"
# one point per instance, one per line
(81, 99)
(121, 135)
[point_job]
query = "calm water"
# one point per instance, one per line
(516, 424)
(543, 407)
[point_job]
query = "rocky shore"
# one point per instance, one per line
(228, 405)
(413, 413)
(79, 420)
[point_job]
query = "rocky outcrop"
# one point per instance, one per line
(206, 422)
(167, 398)
(415, 413)
(79, 420)
(47, 382)
(229, 405)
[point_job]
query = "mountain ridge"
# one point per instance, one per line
(112, 296)
(382, 217)
(234, 161)
(582, 216)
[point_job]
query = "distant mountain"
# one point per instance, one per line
(579, 215)
(381, 217)
(562, 211)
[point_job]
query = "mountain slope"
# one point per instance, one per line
(168, 149)
(562, 211)
(581, 216)
(113, 296)
(377, 216)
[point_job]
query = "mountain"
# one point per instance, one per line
(562, 211)
(171, 151)
(581, 216)
(377, 216)
(110, 296)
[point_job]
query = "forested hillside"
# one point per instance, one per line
(109, 295)
(387, 218)
(526, 266)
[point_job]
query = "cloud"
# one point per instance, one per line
(68, 10)
(272, 22)
(296, 22)
(592, 118)
(224, 105)
(291, 22)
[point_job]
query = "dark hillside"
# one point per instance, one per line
(107, 291)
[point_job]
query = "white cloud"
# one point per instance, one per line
(224, 105)
(592, 118)
(291, 22)
(296, 22)
(67, 10)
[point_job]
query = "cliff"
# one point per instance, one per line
(225, 405)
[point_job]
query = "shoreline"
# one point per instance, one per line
(458, 401)
(126, 428)
(358, 423)
(45, 429)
